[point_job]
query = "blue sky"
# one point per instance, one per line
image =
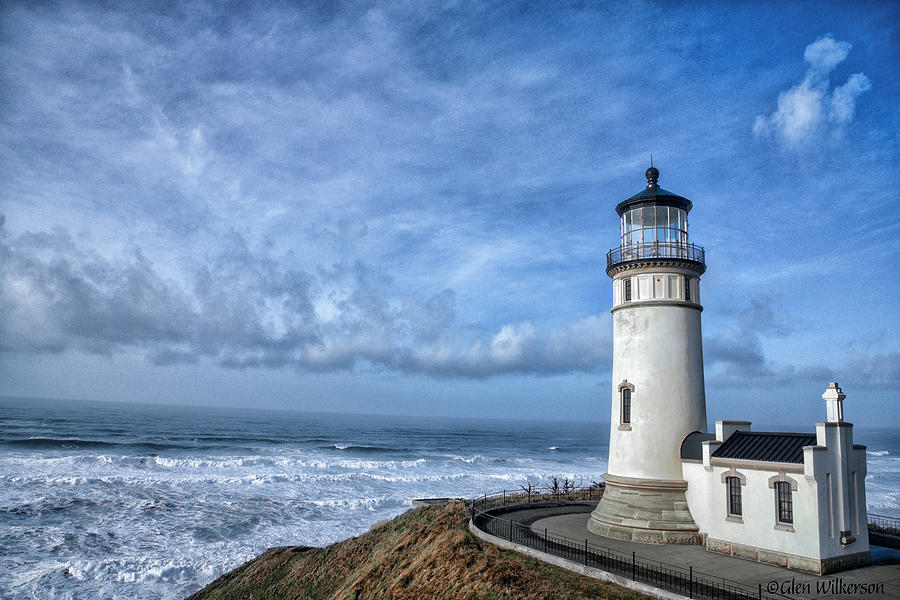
(405, 207)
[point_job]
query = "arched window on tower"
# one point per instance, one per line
(626, 390)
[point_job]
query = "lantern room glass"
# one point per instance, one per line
(654, 224)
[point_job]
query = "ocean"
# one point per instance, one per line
(105, 500)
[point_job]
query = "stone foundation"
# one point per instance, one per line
(790, 561)
(651, 511)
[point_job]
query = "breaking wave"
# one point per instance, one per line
(140, 506)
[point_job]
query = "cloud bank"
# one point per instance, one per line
(808, 108)
(245, 308)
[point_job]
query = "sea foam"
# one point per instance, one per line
(167, 502)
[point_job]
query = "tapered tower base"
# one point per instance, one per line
(652, 511)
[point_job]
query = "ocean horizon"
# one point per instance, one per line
(121, 500)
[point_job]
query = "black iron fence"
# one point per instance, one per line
(639, 251)
(687, 582)
(538, 494)
(884, 524)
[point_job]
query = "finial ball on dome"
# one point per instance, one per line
(652, 176)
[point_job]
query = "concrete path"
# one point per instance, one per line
(793, 584)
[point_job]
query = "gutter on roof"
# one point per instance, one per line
(759, 465)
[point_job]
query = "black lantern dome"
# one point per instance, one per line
(654, 195)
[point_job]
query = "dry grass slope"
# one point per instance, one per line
(425, 553)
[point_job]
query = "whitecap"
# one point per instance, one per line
(472, 460)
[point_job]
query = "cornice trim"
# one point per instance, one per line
(667, 302)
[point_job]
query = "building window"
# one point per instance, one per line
(687, 289)
(733, 485)
(628, 289)
(784, 503)
(626, 406)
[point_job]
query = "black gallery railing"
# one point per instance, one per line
(640, 251)
(686, 582)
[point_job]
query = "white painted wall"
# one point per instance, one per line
(839, 472)
(658, 349)
(707, 500)
(830, 495)
(658, 283)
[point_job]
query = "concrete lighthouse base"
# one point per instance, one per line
(652, 511)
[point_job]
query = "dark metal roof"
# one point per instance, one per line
(692, 446)
(765, 446)
(653, 195)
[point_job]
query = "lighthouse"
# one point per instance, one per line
(658, 396)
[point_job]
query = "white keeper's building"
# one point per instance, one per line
(792, 499)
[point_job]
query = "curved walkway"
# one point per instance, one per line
(570, 521)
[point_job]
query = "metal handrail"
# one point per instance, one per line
(884, 524)
(644, 250)
(539, 494)
(688, 582)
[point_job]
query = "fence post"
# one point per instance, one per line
(504, 497)
(545, 540)
(632, 566)
(760, 591)
(585, 552)
(691, 593)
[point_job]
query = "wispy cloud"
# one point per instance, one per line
(734, 355)
(246, 309)
(810, 107)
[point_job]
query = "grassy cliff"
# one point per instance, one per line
(424, 553)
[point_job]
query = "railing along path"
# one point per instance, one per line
(686, 582)
(884, 524)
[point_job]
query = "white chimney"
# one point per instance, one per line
(834, 402)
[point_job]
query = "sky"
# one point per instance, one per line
(405, 207)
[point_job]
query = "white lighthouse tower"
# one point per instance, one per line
(658, 395)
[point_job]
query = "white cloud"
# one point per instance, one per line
(798, 116)
(843, 99)
(511, 343)
(248, 308)
(826, 53)
(808, 108)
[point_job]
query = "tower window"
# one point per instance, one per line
(626, 406)
(628, 289)
(784, 502)
(733, 484)
(687, 289)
